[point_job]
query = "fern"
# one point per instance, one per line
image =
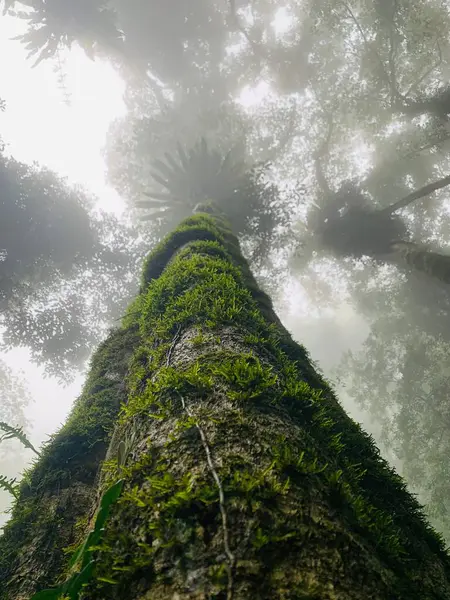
(9, 485)
(82, 558)
(18, 433)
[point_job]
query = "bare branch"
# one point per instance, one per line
(392, 53)
(322, 151)
(366, 41)
(424, 191)
(286, 137)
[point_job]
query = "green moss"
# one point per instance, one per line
(70, 459)
(196, 279)
(203, 286)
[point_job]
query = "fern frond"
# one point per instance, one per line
(18, 433)
(9, 485)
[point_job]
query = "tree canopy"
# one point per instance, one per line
(53, 245)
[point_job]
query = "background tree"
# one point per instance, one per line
(53, 245)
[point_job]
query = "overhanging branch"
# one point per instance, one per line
(416, 195)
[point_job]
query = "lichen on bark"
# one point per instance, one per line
(243, 476)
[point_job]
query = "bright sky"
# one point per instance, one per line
(38, 126)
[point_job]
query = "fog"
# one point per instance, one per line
(345, 130)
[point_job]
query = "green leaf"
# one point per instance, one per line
(73, 587)
(18, 433)
(176, 168)
(161, 166)
(109, 497)
(163, 182)
(183, 157)
(9, 485)
(48, 595)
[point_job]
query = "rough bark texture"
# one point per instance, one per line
(242, 475)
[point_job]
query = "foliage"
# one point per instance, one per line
(68, 466)
(58, 23)
(15, 398)
(405, 392)
(81, 560)
(17, 433)
(243, 193)
(10, 484)
(53, 246)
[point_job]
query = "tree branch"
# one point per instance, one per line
(319, 154)
(366, 42)
(428, 72)
(424, 191)
(392, 53)
(286, 137)
(257, 48)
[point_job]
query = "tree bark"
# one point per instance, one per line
(425, 261)
(242, 475)
(417, 194)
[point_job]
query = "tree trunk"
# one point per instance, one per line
(416, 195)
(242, 477)
(430, 263)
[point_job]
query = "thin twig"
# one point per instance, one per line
(230, 556)
(174, 343)
(319, 154)
(366, 42)
(392, 53)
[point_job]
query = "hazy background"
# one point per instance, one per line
(355, 92)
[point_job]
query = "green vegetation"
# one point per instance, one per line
(242, 379)
(7, 483)
(224, 435)
(56, 493)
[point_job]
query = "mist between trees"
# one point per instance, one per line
(320, 129)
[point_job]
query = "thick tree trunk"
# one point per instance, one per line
(242, 477)
(430, 263)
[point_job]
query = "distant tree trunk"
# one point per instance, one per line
(438, 105)
(242, 475)
(430, 263)
(416, 195)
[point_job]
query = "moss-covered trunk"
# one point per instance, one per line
(242, 477)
